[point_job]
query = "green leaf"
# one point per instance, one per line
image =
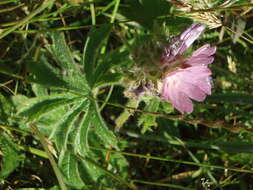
(114, 58)
(108, 173)
(63, 129)
(145, 12)
(236, 147)
(46, 75)
(124, 116)
(81, 136)
(63, 56)
(52, 188)
(47, 122)
(39, 90)
(5, 109)
(69, 167)
(106, 136)
(108, 79)
(93, 44)
(148, 121)
(62, 52)
(11, 157)
(231, 98)
(34, 108)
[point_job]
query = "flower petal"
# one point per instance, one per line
(181, 85)
(177, 98)
(200, 60)
(193, 91)
(204, 50)
(190, 35)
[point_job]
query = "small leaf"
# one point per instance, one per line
(108, 173)
(108, 79)
(148, 121)
(5, 108)
(91, 50)
(61, 51)
(39, 90)
(240, 27)
(11, 157)
(236, 147)
(124, 116)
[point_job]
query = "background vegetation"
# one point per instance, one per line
(64, 119)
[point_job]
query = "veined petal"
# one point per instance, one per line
(190, 35)
(182, 85)
(179, 44)
(204, 50)
(200, 60)
(193, 91)
(177, 98)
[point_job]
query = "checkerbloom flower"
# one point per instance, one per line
(186, 77)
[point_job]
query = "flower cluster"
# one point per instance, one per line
(164, 71)
(186, 77)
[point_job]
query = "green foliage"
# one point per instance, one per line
(45, 74)
(11, 156)
(62, 130)
(93, 44)
(71, 86)
(145, 12)
(69, 167)
(149, 121)
(101, 130)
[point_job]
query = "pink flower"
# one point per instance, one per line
(191, 79)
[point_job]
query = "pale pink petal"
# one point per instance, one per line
(177, 98)
(193, 91)
(182, 103)
(195, 73)
(179, 44)
(181, 85)
(200, 60)
(205, 84)
(190, 35)
(204, 50)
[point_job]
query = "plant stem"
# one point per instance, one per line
(25, 20)
(50, 156)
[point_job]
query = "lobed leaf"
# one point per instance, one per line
(69, 167)
(81, 135)
(34, 108)
(93, 44)
(63, 56)
(63, 129)
(11, 157)
(46, 75)
(105, 135)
